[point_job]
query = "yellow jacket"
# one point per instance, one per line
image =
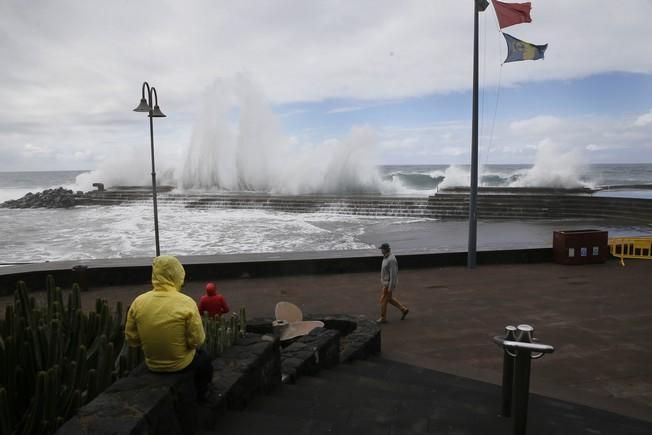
(164, 321)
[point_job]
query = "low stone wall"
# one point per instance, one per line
(344, 338)
(252, 366)
(149, 403)
(310, 353)
(139, 270)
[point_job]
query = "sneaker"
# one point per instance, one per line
(405, 313)
(379, 321)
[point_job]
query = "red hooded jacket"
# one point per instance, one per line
(212, 302)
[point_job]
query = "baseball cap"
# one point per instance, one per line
(384, 246)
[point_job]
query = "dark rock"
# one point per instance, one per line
(49, 198)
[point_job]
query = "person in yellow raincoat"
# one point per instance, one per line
(167, 324)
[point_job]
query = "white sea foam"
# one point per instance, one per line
(455, 176)
(127, 231)
(554, 166)
(396, 186)
(237, 144)
(251, 153)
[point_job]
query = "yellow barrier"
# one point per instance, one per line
(631, 247)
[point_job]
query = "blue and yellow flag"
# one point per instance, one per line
(521, 50)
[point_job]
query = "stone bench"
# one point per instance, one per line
(344, 338)
(151, 403)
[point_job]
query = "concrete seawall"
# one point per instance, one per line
(548, 204)
(109, 272)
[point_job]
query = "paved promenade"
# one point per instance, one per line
(598, 318)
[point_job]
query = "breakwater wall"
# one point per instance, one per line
(544, 206)
(371, 205)
(443, 205)
(109, 272)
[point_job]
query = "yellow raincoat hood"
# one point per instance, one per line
(167, 274)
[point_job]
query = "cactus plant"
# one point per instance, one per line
(221, 332)
(5, 415)
(53, 372)
(64, 357)
(243, 322)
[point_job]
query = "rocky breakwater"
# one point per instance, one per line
(49, 198)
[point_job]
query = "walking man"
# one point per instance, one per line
(388, 280)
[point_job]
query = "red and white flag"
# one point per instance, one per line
(512, 13)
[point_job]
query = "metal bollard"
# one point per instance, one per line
(519, 349)
(278, 326)
(508, 373)
(522, 367)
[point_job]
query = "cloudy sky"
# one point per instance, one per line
(72, 73)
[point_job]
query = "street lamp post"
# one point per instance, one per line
(153, 112)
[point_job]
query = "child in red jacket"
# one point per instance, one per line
(212, 303)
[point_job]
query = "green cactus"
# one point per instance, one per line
(81, 364)
(3, 362)
(74, 330)
(91, 327)
(6, 421)
(221, 345)
(38, 403)
(76, 297)
(69, 377)
(221, 332)
(8, 359)
(51, 337)
(51, 399)
(19, 393)
(26, 360)
(70, 406)
(49, 290)
(105, 362)
(27, 313)
(64, 357)
(243, 321)
(117, 335)
(91, 391)
(8, 324)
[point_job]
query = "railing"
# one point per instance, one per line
(631, 247)
(519, 348)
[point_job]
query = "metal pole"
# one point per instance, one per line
(508, 374)
(473, 198)
(151, 137)
(521, 390)
(508, 377)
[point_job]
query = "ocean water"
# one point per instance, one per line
(88, 232)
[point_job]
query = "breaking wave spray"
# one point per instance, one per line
(237, 144)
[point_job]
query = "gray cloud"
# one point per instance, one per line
(597, 139)
(72, 70)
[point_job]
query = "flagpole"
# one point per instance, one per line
(473, 194)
